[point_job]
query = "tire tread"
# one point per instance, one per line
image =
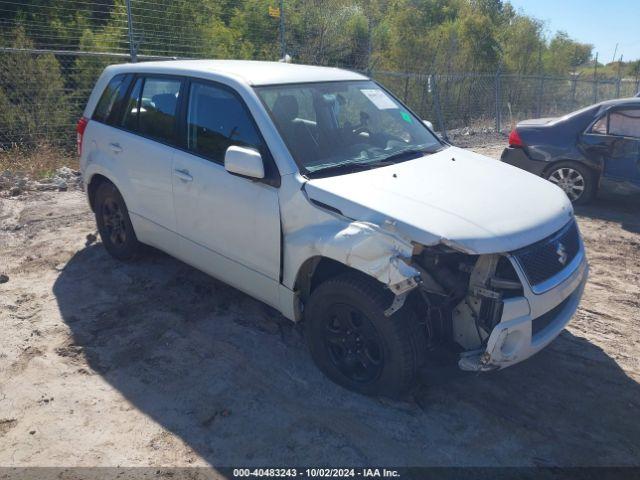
(407, 355)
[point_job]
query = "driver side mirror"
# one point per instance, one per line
(428, 124)
(245, 162)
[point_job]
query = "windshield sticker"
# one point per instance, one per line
(379, 98)
(406, 117)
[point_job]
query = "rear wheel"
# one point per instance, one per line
(114, 224)
(576, 180)
(354, 343)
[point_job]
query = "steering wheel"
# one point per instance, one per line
(361, 129)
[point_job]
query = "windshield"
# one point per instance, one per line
(335, 126)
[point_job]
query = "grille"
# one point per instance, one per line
(541, 260)
(543, 321)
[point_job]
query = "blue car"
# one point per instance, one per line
(593, 149)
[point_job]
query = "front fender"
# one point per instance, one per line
(377, 251)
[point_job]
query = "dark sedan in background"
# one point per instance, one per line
(593, 149)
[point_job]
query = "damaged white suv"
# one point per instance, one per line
(316, 191)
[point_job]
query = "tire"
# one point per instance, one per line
(114, 224)
(570, 177)
(350, 306)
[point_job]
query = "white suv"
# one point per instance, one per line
(318, 192)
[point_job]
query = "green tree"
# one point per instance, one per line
(326, 32)
(255, 33)
(33, 103)
(109, 38)
(521, 42)
(564, 55)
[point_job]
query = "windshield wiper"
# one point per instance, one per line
(409, 154)
(350, 167)
(346, 167)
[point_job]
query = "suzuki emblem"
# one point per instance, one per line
(562, 253)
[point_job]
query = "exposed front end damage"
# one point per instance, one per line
(483, 307)
(463, 295)
(530, 322)
(480, 306)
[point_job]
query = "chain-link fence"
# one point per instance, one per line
(43, 93)
(46, 76)
(498, 101)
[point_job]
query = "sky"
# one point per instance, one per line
(602, 23)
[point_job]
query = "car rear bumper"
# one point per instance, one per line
(518, 157)
(529, 323)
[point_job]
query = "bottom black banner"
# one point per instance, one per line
(437, 473)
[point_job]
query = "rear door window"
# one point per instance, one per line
(151, 109)
(111, 100)
(158, 108)
(625, 123)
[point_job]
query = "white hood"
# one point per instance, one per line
(457, 197)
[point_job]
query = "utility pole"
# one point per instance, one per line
(620, 64)
(614, 54)
(132, 46)
(619, 78)
(283, 45)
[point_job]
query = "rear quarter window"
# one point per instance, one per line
(600, 127)
(111, 100)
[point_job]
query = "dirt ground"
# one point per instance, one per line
(155, 364)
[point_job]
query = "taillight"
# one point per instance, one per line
(82, 125)
(514, 139)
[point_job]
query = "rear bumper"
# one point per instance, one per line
(531, 322)
(519, 158)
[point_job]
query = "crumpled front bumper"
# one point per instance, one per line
(529, 323)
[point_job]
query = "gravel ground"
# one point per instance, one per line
(155, 364)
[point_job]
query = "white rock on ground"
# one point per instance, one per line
(64, 178)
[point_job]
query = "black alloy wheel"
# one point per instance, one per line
(114, 224)
(352, 343)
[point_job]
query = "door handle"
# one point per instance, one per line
(115, 147)
(183, 174)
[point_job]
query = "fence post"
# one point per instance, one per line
(540, 95)
(132, 46)
(436, 101)
(595, 80)
(574, 84)
(283, 45)
(498, 102)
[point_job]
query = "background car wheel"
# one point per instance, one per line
(355, 344)
(114, 223)
(576, 180)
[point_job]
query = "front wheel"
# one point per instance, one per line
(354, 343)
(576, 180)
